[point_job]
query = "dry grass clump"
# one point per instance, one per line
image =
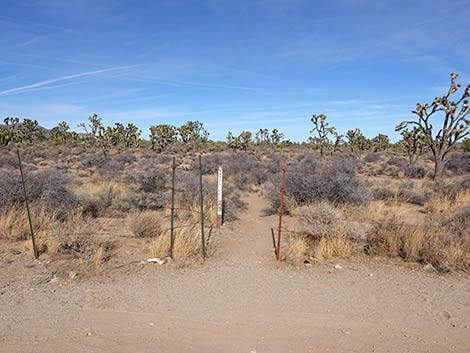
(320, 234)
(145, 224)
(447, 203)
(187, 243)
(442, 241)
(14, 222)
(73, 235)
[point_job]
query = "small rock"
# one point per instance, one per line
(151, 324)
(73, 274)
(88, 334)
(156, 260)
(371, 275)
(56, 281)
(430, 268)
(338, 267)
(346, 332)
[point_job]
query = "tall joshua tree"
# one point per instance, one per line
(320, 127)
(455, 123)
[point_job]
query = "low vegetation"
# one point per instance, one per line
(344, 193)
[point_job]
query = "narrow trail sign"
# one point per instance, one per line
(220, 176)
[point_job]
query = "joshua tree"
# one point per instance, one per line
(276, 137)
(29, 130)
(466, 145)
(162, 136)
(338, 141)
(60, 133)
(414, 143)
(99, 134)
(320, 127)
(357, 139)
(242, 141)
(262, 136)
(193, 131)
(132, 135)
(380, 142)
(8, 133)
(455, 124)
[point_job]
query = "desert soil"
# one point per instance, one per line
(237, 301)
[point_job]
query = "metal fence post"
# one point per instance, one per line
(281, 212)
(172, 228)
(35, 249)
(201, 201)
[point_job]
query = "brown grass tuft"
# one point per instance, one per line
(75, 235)
(442, 241)
(187, 242)
(145, 224)
(320, 234)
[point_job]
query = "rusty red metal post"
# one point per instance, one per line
(281, 212)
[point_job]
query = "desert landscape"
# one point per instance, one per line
(231, 200)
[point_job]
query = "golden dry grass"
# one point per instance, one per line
(187, 243)
(446, 203)
(75, 235)
(320, 234)
(443, 240)
(144, 224)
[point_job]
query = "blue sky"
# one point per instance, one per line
(234, 65)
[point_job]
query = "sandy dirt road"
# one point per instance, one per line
(239, 301)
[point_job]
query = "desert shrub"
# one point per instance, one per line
(440, 241)
(88, 160)
(458, 163)
(151, 180)
(48, 187)
(394, 167)
(405, 191)
(245, 170)
(8, 160)
(450, 188)
(319, 219)
(145, 224)
(415, 172)
(310, 179)
(396, 161)
(321, 233)
(211, 162)
(373, 157)
(72, 235)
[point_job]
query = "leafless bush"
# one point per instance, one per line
(458, 163)
(373, 157)
(48, 187)
(310, 179)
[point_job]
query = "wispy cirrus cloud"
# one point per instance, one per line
(48, 82)
(28, 42)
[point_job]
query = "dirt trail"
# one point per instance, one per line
(248, 242)
(239, 301)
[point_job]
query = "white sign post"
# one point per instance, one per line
(220, 175)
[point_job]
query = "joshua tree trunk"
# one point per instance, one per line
(438, 166)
